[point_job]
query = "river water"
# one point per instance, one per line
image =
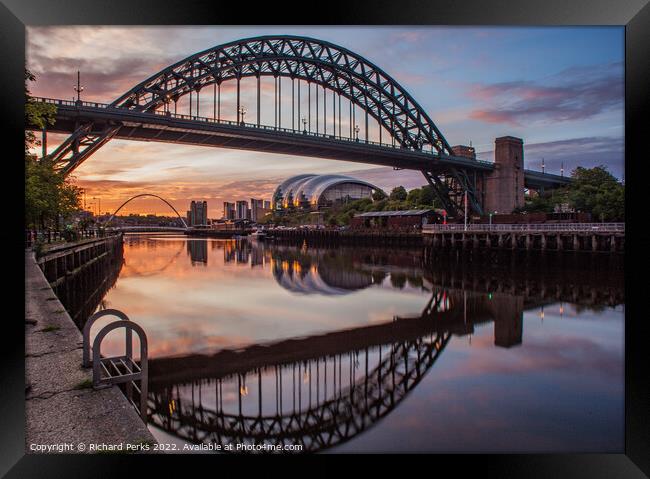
(369, 350)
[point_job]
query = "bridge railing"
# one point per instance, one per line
(542, 227)
(57, 101)
(220, 121)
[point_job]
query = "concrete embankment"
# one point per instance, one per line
(61, 405)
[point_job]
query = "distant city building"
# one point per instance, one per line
(256, 203)
(198, 213)
(228, 210)
(259, 209)
(241, 210)
(315, 191)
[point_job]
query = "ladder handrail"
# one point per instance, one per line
(142, 375)
(88, 325)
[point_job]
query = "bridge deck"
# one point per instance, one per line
(167, 370)
(193, 130)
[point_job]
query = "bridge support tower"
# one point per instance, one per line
(504, 187)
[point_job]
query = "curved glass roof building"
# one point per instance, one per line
(313, 191)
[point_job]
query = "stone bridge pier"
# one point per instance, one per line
(504, 186)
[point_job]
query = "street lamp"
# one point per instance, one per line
(242, 112)
(78, 88)
(168, 99)
(304, 124)
(491, 217)
(356, 130)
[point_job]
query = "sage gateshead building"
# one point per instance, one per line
(316, 191)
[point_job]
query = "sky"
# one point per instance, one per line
(560, 89)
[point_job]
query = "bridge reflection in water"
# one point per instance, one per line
(321, 391)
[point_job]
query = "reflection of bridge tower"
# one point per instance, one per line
(508, 318)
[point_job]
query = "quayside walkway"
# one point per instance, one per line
(60, 404)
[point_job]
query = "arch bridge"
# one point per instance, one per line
(143, 228)
(339, 97)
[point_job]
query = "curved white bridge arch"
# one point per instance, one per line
(146, 194)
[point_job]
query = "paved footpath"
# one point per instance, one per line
(61, 405)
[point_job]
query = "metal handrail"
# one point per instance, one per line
(86, 363)
(137, 372)
(562, 227)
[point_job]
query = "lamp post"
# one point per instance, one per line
(304, 125)
(168, 99)
(242, 112)
(356, 131)
(78, 88)
(491, 214)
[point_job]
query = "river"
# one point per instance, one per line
(370, 350)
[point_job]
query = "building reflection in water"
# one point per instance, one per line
(198, 251)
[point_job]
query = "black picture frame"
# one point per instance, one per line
(633, 14)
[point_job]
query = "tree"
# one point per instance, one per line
(414, 196)
(597, 191)
(378, 195)
(48, 193)
(399, 193)
(537, 204)
(37, 114)
(427, 195)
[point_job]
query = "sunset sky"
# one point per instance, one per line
(558, 88)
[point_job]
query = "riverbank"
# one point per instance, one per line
(60, 404)
(332, 237)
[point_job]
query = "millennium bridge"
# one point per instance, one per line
(331, 80)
